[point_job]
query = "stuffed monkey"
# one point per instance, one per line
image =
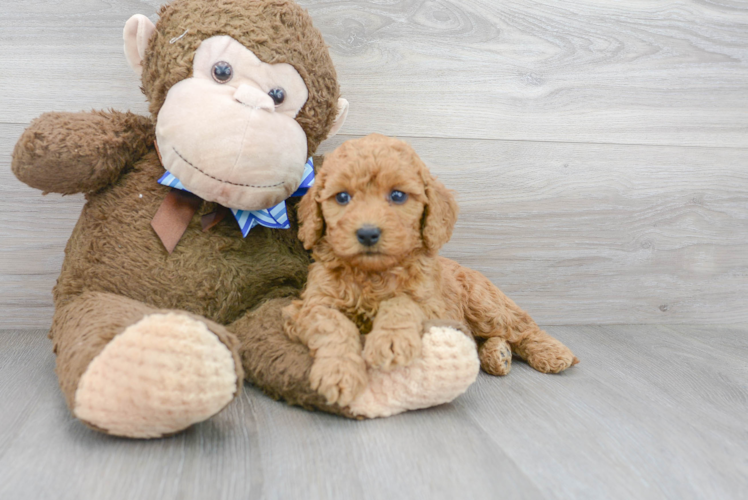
(186, 249)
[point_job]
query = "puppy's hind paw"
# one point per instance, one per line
(495, 356)
(549, 356)
(339, 379)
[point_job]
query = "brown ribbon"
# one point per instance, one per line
(177, 210)
(209, 221)
(174, 215)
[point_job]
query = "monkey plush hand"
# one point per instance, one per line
(167, 297)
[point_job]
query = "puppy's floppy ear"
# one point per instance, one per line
(312, 224)
(439, 214)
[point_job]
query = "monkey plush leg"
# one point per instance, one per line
(491, 314)
(281, 367)
(130, 370)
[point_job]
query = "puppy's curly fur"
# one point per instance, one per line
(388, 281)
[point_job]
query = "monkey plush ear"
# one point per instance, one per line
(340, 118)
(137, 33)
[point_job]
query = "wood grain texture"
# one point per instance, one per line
(67, 55)
(582, 233)
(633, 72)
(599, 149)
(574, 233)
(578, 71)
(652, 412)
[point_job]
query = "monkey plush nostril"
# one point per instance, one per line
(254, 98)
(368, 235)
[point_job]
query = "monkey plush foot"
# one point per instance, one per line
(159, 376)
(447, 366)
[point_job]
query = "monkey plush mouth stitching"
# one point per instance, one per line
(221, 180)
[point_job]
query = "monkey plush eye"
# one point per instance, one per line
(222, 72)
(278, 95)
(343, 198)
(398, 197)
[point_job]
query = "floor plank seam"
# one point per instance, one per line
(534, 141)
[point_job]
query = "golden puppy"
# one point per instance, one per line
(375, 220)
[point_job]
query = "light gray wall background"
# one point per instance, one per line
(599, 148)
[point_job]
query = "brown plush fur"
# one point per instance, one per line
(217, 274)
(105, 142)
(389, 290)
(116, 269)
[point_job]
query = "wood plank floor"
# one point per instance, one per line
(651, 412)
(599, 149)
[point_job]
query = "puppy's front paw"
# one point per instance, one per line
(550, 356)
(386, 349)
(339, 379)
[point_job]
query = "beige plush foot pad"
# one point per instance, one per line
(159, 376)
(447, 366)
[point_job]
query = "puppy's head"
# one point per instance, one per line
(374, 203)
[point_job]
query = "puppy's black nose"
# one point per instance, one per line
(368, 235)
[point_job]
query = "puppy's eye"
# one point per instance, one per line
(398, 197)
(343, 198)
(278, 95)
(222, 72)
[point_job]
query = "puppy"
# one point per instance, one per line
(375, 220)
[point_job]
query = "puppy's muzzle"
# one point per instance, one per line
(368, 236)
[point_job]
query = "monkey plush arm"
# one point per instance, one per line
(80, 152)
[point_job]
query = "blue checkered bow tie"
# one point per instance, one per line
(274, 217)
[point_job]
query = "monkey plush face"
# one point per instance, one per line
(237, 111)
(229, 133)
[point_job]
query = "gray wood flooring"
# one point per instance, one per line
(652, 412)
